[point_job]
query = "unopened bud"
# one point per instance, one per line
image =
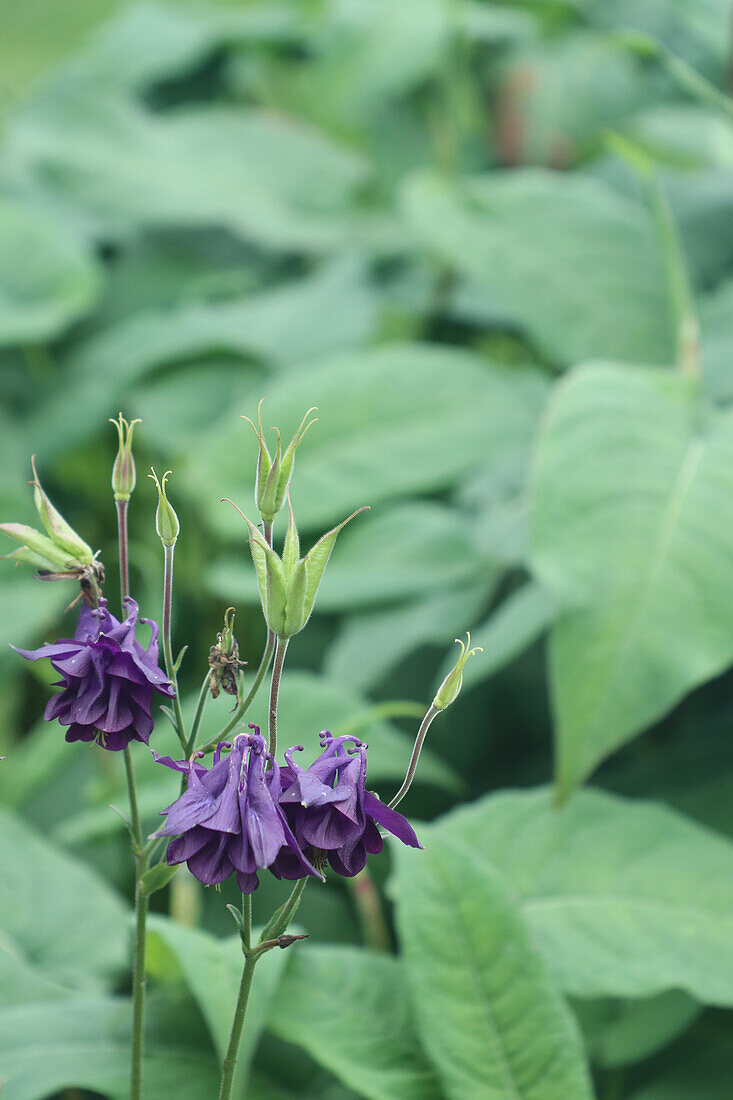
(166, 520)
(449, 690)
(274, 472)
(289, 585)
(61, 533)
(124, 477)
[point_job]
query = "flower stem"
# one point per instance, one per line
(277, 670)
(250, 961)
(122, 506)
(140, 858)
(167, 650)
(430, 714)
(200, 708)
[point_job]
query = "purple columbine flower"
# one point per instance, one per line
(108, 679)
(229, 820)
(330, 808)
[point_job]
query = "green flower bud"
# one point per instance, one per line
(124, 476)
(449, 690)
(289, 585)
(274, 473)
(59, 531)
(37, 549)
(166, 520)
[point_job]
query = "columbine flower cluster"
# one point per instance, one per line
(108, 678)
(245, 813)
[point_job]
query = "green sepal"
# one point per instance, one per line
(166, 520)
(157, 878)
(56, 559)
(316, 561)
(23, 554)
(295, 618)
(291, 547)
(274, 473)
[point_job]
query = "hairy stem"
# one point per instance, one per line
(167, 650)
(430, 714)
(277, 670)
(140, 858)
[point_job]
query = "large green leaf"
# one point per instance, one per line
(400, 419)
(565, 257)
(366, 993)
(486, 1006)
(633, 484)
(624, 899)
(620, 1032)
(274, 181)
(212, 969)
(47, 279)
(700, 1068)
(435, 548)
(85, 1043)
(62, 917)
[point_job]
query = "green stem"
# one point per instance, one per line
(167, 650)
(430, 714)
(261, 672)
(140, 858)
(250, 961)
(277, 671)
(200, 708)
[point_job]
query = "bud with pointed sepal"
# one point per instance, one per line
(166, 520)
(59, 531)
(124, 476)
(289, 584)
(449, 690)
(274, 472)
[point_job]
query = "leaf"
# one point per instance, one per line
(369, 645)
(514, 626)
(619, 1033)
(85, 1043)
(624, 899)
(365, 992)
(309, 703)
(400, 419)
(717, 332)
(47, 279)
(485, 1003)
(699, 1068)
(530, 242)
(632, 485)
(157, 878)
(76, 943)
(212, 970)
(396, 552)
(270, 180)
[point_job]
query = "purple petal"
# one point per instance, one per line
(390, 820)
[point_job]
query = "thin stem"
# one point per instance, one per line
(277, 671)
(430, 714)
(140, 858)
(122, 506)
(250, 961)
(200, 708)
(167, 650)
(141, 912)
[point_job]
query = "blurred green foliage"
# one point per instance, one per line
(409, 214)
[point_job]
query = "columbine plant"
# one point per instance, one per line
(245, 812)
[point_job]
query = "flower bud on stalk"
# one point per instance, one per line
(124, 476)
(449, 690)
(60, 554)
(274, 473)
(166, 520)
